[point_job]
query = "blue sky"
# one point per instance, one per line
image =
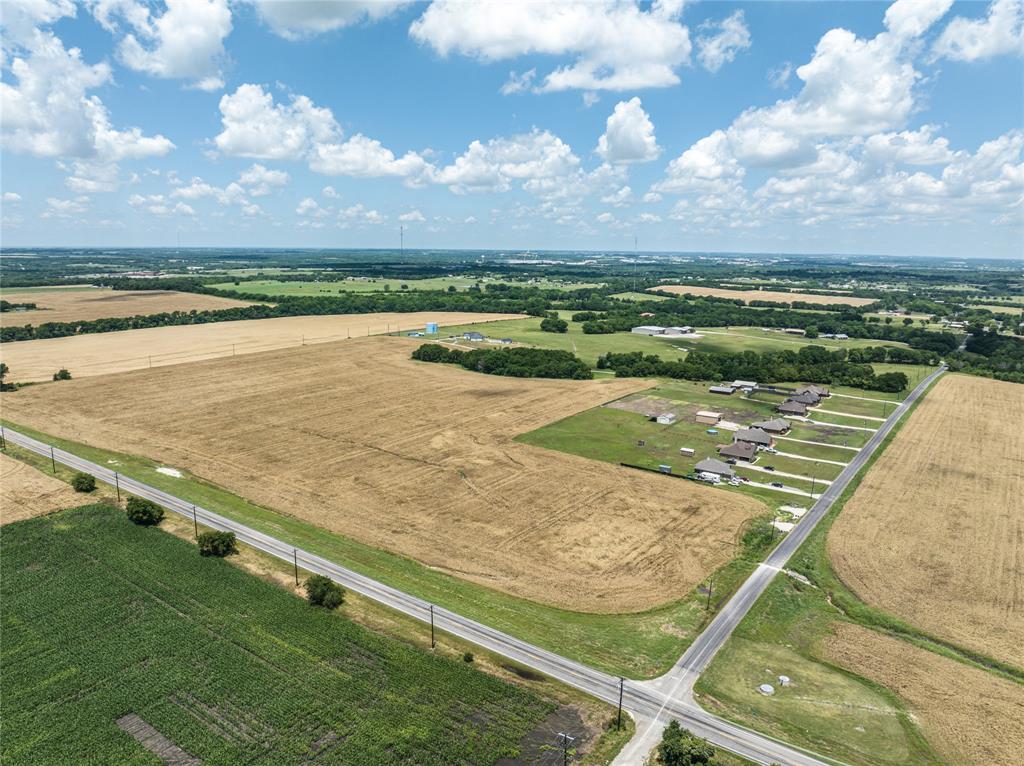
(771, 126)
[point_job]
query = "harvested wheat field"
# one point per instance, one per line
(102, 353)
(934, 534)
(82, 305)
(26, 492)
(415, 458)
(967, 715)
(765, 295)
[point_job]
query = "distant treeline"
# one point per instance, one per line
(813, 364)
(511, 362)
(349, 303)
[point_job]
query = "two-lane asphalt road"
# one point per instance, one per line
(651, 702)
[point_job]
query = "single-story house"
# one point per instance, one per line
(744, 384)
(708, 417)
(754, 436)
(505, 341)
(473, 336)
(819, 391)
(790, 407)
(727, 390)
(667, 419)
(739, 451)
(805, 398)
(795, 331)
(717, 467)
(648, 329)
(773, 426)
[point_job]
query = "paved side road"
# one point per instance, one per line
(678, 683)
(651, 703)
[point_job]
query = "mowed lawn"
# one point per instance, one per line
(276, 287)
(102, 618)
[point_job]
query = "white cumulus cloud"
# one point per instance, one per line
(297, 19)
(720, 41)
(612, 44)
(1000, 32)
(629, 135)
(413, 216)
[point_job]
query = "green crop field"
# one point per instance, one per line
(273, 287)
(102, 618)
(733, 339)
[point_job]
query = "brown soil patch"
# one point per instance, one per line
(102, 353)
(968, 716)
(935, 532)
(26, 492)
(418, 459)
(103, 303)
(764, 295)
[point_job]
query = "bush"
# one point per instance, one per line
(83, 482)
(552, 324)
(679, 747)
(467, 657)
(323, 591)
(144, 512)
(62, 374)
(218, 544)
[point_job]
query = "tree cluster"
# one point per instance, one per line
(511, 362)
(323, 591)
(144, 512)
(217, 543)
(679, 747)
(813, 364)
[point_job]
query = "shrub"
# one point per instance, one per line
(144, 512)
(467, 657)
(218, 544)
(552, 324)
(83, 482)
(62, 374)
(323, 591)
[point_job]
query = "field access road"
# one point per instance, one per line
(651, 703)
(678, 683)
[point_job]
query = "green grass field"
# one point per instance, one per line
(733, 339)
(273, 287)
(586, 347)
(639, 296)
(102, 618)
(640, 645)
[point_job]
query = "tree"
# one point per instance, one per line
(551, 324)
(908, 321)
(83, 482)
(62, 374)
(216, 543)
(4, 369)
(144, 512)
(467, 657)
(681, 748)
(323, 591)
(811, 331)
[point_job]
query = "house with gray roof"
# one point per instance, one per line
(745, 451)
(790, 407)
(820, 391)
(754, 436)
(717, 467)
(773, 426)
(805, 398)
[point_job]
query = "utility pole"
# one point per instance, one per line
(117, 486)
(195, 522)
(295, 558)
(566, 741)
(53, 460)
(618, 723)
(711, 583)
(3, 439)
(814, 475)
(433, 642)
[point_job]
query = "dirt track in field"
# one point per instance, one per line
(103, 353)
(103, 303)
(968, 716)
(26, 492)
(764, 295)
(416, 458)
(934, 534)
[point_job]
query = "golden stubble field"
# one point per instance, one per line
(103, 303)
(934, 534)
(969, 716)
(103, 353)
(418, 459)
(764, 295)
(26, 492)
